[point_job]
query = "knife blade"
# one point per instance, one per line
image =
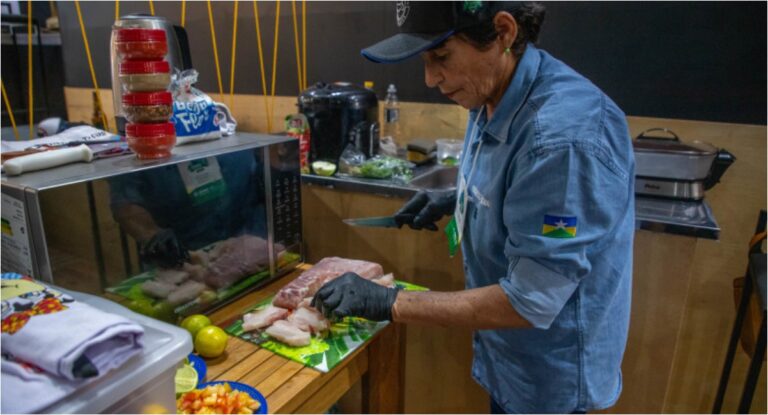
(376, 221)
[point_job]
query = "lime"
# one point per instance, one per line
(142, 307)
(211, 341)
(194, 323)
(207, 297)
(163, 310)
(186, 379)
(324, 168)
(154, 408)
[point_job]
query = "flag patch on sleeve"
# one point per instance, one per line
(559, 226)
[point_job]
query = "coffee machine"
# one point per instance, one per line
(178, 55)
(340, 114)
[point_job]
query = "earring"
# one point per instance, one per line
(507, 51)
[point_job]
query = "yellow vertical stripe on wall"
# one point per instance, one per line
(90, 62)
(29, 71)
(183, 12)
(274, 64)
(215, 51)
(234, 54)
(261, 65)
(304, 40)
(10, 111)
(296, 44)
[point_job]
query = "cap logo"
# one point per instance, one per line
(402, 8)
(472, 6)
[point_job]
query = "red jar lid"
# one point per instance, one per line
(150, 129)
(140, 67)
(148, 98)
(140, 35)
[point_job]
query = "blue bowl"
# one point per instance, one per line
(198, 363)
(242, 387)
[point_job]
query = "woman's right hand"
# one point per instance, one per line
(426, 208)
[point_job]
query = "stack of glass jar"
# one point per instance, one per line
(145, 78)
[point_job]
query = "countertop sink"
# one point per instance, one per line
(438, 177)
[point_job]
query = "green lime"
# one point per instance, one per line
(211, 341)
(142, 307)
(324, 168)
(207, 296)
(163, 310)
(185, 379)
(194, 323)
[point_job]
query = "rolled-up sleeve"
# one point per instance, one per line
(573, 183)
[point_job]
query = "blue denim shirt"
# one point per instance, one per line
(551, 219)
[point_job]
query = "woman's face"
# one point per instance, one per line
(466, 75)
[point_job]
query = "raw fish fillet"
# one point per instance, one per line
(386, 280)
(199, 258)
(309, 319)
(307, 284)
(185, 292)
(236, 258)
(196, 272)
(264, 317)
(307, 302)
(157, 289)
(289, 334)
(171, 276)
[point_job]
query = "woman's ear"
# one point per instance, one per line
(506, 27)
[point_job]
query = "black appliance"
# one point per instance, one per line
(340, 114)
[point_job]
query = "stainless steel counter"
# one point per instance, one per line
(693, 219)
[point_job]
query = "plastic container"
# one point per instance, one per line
(449, 151)
(391, 127)
(144, 384)
(146, 44)
(145, 107)
(145, 76)
(151, 141)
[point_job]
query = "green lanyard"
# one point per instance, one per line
(455, 228)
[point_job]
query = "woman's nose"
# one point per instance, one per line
(432, 77)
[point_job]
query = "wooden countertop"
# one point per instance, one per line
(291, 387)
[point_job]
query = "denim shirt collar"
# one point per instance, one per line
(525, 74)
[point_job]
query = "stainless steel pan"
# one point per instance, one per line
(669, 158)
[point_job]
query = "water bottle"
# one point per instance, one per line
(391, 127)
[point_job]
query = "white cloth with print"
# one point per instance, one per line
(54, 343)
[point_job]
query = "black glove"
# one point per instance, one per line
(165, 250)
(426, 208)
(352, 295)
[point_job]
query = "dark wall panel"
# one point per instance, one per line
(702, 60)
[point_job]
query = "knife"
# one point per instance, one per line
(378, 221)
(53, 158)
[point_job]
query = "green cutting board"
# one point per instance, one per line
(323, 353)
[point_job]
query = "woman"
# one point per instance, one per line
(545, 211)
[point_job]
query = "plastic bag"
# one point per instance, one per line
(385, 167)
(195, 115)
(350, 161)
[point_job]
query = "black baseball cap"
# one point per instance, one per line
(425, 24)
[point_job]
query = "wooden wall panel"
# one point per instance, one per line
(709, 310)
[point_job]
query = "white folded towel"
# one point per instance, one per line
(27, 389)
(66, 339)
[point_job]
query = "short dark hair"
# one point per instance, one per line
(529, 17)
